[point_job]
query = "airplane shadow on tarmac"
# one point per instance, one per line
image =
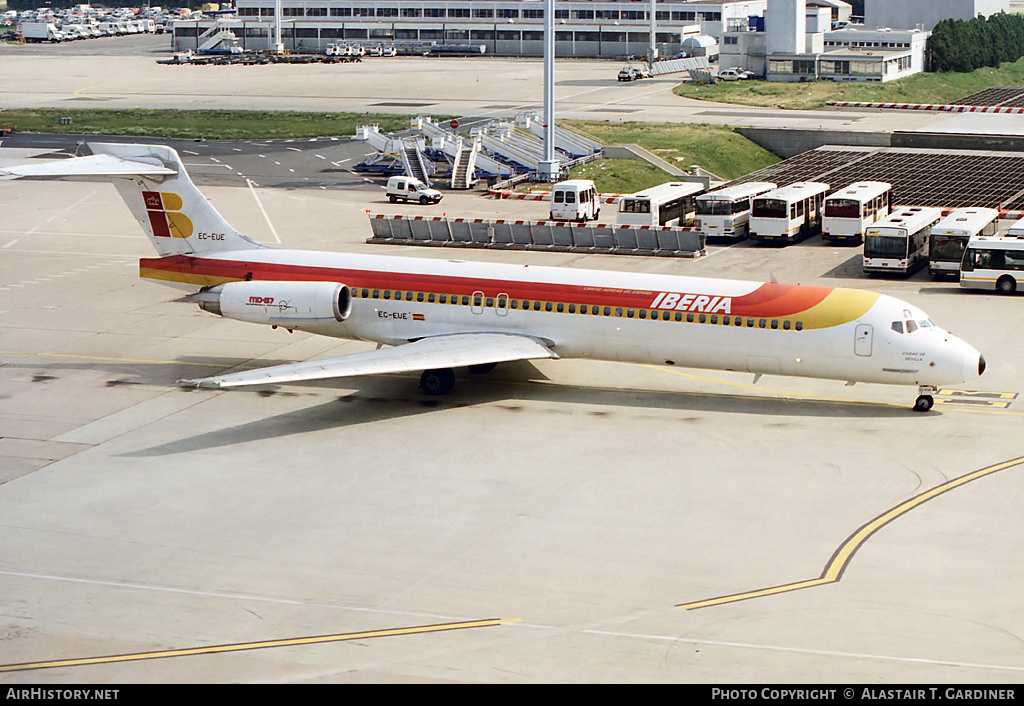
(515, 388)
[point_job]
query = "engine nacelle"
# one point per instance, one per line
(278, 303)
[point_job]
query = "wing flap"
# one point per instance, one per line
(455, 350)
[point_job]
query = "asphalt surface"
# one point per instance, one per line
(558, 521)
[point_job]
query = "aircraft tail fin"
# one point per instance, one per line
(153, 182)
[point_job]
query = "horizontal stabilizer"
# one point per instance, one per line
(93, 165)
(455, 350)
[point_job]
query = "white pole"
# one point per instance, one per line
(278, 47)
(548, 168)
(652, 49)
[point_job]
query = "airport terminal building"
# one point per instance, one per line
(608, 28)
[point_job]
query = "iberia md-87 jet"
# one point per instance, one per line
(436, 315)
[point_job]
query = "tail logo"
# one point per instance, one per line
(164, 210)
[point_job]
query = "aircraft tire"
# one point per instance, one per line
(923, 403)
(437, 382)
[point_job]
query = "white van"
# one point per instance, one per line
(575, 200)
(407, 188)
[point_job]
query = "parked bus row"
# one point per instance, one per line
(896, 240)
(760, 210)
(768, 213)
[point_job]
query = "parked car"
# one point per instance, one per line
(732, 75)
(631, 73)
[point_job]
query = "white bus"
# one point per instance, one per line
(951, 234)
(993, 262)
(790, 213)
(849, 211)
(726, 213)
(671, 204)
(1016, 229)
(899, 242)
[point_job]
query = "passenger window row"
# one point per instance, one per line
(591, 309)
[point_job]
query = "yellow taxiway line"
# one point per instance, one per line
(844, 554)
(822, 398)
(266, 644)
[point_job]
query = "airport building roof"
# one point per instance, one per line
(1003, 96)
(920, 177)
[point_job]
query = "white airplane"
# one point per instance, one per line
(436, 315)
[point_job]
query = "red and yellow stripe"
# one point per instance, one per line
(816, 307)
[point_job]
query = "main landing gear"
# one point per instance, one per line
(437, 382)
(924, 401)
(442, 380)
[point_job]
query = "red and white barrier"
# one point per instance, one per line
(543, 196)
(562, 224)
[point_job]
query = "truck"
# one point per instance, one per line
(35, 32)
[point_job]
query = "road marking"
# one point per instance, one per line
(262, 645)
(989, 409)
(13, 242)
(804, 650)
(263, 211)
(975, 398)
(844, 554)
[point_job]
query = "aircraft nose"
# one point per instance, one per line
(973, 364)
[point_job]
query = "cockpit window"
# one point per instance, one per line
(925, 323)
(911, 326)
(897, 326)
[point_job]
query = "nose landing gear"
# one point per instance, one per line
(924, 401)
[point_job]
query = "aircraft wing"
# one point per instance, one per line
(454, 350)
(93, 165)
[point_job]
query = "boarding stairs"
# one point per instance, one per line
(219, 39)
(443, 139)
(413, 161)
(567, 141)
(500, 141)
(465, 164)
